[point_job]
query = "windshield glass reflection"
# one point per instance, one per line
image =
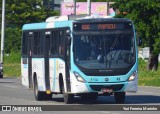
(104, 51)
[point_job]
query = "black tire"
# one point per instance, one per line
(1, 76)
(68, 98)
(38, 94)
(119, 97)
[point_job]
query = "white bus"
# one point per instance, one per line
(81, 56)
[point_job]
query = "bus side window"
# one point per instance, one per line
(61, 42)
(24, 43)
(37, 43)
(57, 43)
(53, 43)
(41, 42)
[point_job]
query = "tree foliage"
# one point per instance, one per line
(26, 11)
(18, 13)
(146, 17)
(91, 0)
(12, 40)
(95, 0)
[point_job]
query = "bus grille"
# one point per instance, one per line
(114, 87)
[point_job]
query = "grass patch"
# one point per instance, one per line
(148, 78)
(12, 69)
(12, 66)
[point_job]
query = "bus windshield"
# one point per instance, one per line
(104, 51)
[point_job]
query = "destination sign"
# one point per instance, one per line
(101, 26)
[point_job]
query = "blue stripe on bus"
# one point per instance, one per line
(34, 26)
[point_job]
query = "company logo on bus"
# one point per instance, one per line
(106, 79)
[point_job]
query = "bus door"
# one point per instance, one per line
(30, 50)
(46, 58)
(67, 58)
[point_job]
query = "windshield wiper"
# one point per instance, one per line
(111, 48)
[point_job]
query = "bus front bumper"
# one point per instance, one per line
(78, 87)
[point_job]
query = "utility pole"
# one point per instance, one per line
(2, 30)
(88, 7)
(74, 7)
(107, 8)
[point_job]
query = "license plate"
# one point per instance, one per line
(106, 90)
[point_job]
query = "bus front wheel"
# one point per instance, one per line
(119, 97)
(68, 98)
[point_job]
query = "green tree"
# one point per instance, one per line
(146, 17)
(12, 40)
(94, 0)
(18, 13)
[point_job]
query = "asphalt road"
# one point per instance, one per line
(12, 92)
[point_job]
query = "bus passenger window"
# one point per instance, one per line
(24, 43)
(52, 44)
(61, 42)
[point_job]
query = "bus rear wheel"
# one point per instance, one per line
(119, 97)
(38, 94)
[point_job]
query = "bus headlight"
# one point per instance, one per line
(133, 76)
(79, 78)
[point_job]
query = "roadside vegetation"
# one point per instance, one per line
(12, 66)
(148, 78)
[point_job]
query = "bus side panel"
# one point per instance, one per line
(59, 69)
(38, 69)
(52, 74)
(24, 72)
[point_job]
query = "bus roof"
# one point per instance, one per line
(45, 25)
(66, 21)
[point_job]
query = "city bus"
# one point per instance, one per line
(80, 56)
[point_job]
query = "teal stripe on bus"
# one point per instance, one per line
(34, 26)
